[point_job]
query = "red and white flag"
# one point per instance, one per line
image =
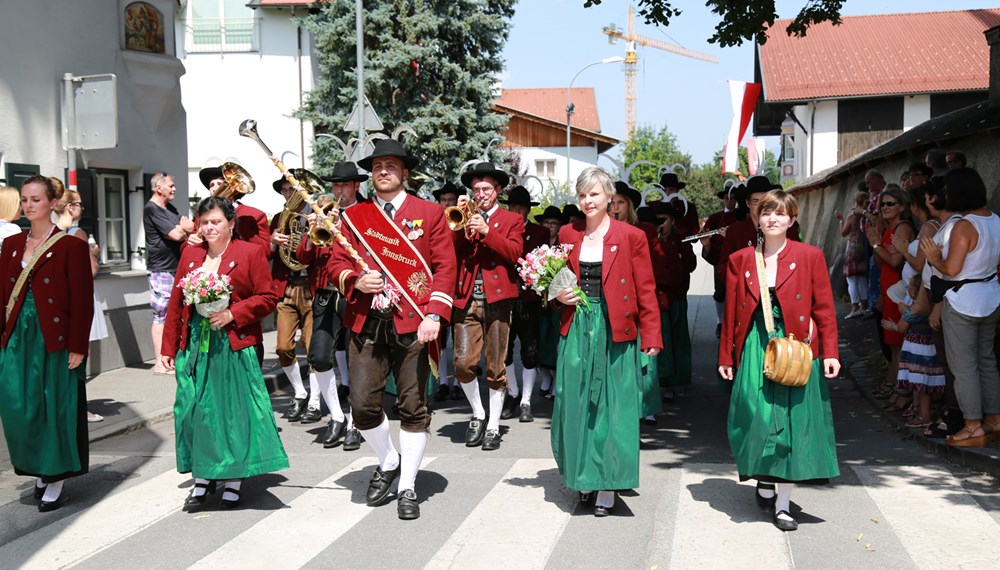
(744, 99)
(755, 156)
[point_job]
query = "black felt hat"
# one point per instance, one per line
(345, 172)
(388, 147)
(483, 170)
(759, 184)
(519, 195)
(632, 194)
(551, 213)
(669, 180)
(572, 212)
(207, 175)
(277, 184)
(448, 188)
(666, 209)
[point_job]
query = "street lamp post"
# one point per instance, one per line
(569, 109)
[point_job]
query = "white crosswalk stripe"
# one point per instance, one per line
(515, 518)
(954, 522)
(312, 522)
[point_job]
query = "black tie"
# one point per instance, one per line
(486, 217)
(389, 209)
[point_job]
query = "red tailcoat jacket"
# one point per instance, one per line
(495, 254)
(251, 299)
(741, 234)
(435, 247)
(626, 282)
(803, 291)
(63, 287)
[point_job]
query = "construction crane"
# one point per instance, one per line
(631, 60)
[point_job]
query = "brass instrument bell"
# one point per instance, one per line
(238, 182)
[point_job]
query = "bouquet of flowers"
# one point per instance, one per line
(207, 291)
(546, 271)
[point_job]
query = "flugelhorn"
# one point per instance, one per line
(458, 216)
(248, 128)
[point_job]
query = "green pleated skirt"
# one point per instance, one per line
(43, 405)
(674, 362)
(779, 433)
(548, 338)
(223, 420)
(595, 418)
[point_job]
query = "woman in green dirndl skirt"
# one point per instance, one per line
(223, 421)
(598, 393)
(780, 435)
(47, 291)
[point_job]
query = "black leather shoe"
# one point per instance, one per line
(492, 440)
(229, 504)
(343, 392)
(526, 416)
(509, 407)
(474, 435)
(785, 525)
(765, 504)
(407, 507)
(195, 502)
(48, 506)
(602, 511)
(311, 416)
(334, 432)
(296, 409)
(380, 485)
(457, 393)
(587, 497)
(353, 439)
(39, 491)
(442, 393)
(650, 421)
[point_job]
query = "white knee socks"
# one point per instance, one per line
(411, 446)
(329, 390)
(471, 390)
(294, 375)
(496, 407)
(529, 384)
(341, 356)
(378, 438)
(784, 500)
(512, 382)
(314, 391)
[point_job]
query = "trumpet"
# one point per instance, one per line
(696, 237)
(458, 216)
(248, 128)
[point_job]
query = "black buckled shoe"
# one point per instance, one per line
(296, 408)
(229, 503)
(353, 439)
(600, 511)
(491, 440)
(48, 506)
(783, 524)
(334, 431)
(380, 485)
(195, 502)
(509, 407)
(587, 497)
(474, 435)
(526, 416)
(764, 503)
(311, 416)
(407, 507)
(40, 491)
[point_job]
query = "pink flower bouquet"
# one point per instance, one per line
(207, 291)
(546, 271)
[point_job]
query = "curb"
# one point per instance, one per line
(984, 460)
(274, 380)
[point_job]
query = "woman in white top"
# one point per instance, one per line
(10, 211)
(968, 261)
(69, 208)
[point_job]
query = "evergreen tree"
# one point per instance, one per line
(429, 64)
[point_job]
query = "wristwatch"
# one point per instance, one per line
(434, 317)
(876, 245)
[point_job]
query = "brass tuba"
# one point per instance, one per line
(239, 183)
(291, 220)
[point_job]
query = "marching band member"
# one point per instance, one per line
(780, 435)
(447, 196)
(44, 337)
(251, 223)
(486, 249)
(224, 424)
(394, 311)
(595, 421)
(525, 316)
(711, 246)
(548, 337)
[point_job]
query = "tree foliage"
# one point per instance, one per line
(743, 20)
(428, 64)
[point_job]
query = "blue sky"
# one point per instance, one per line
(552, 39)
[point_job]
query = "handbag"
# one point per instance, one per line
(787, 361)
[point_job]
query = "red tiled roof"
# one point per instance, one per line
(550, 103)
(886, 54)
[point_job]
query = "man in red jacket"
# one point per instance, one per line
(525, 317)
(487, 250)
(395, 309)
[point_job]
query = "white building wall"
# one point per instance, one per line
(826, 138)
(580, 158)
(916, 110)
(220, 90)
(86, 38)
